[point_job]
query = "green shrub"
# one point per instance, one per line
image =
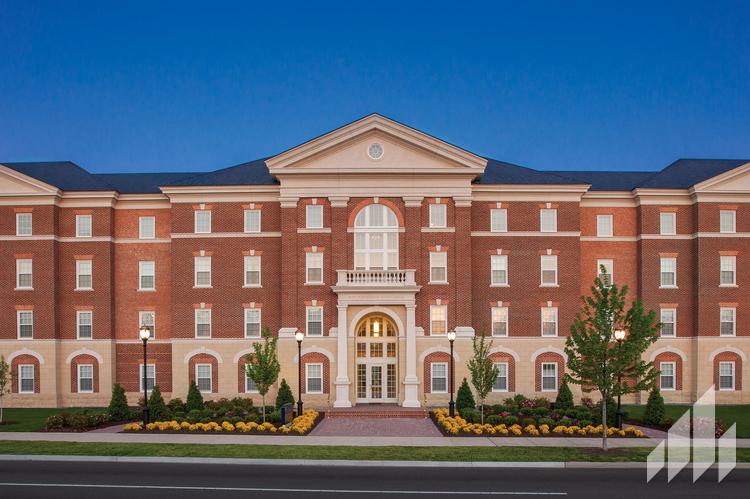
(285, 394)
(542, 402)
(194, 416)
(585, 422)
(541, 411)
(527, 421)
(245, 404)
(526, 411)
(654, 413)
(583, 413)
(548, 421)
(596, 414)
(79, 421)
(510, 420)
(56, 422)
(496, 408)
(194, 398)
(494, 419)
(565, 421)
(471, 415)
(519, 399)
(176, 405)
(564, 398)
(571, 413)
(464, 397)
(157, 409)
(118, 409)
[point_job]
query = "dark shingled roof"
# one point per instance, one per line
(142, 183)
(64, 175)
(500, 172)
(608, 180)
(685, 173)
(250, 173)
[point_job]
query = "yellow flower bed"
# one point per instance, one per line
(459, 426)
(301, 425)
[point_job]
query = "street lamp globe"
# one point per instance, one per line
(299, 336)
(144, 333)
(451, 335)
(619, 334)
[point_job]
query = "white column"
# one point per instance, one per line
(342, 374)
(411, 382)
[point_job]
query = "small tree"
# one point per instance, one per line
(654, 412)
(564, 398)
(464, 397)
(118, 409)
(6, 381)
(263, 365)
(593, 358)
(194, 398)
(157, 409)
(285, 394)
(483, 370)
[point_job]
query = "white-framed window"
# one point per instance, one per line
(667, 375)
(604, 226)
(548, 220)
(607, 277)
(250, 386)
(728, 266)
(146, 227)
(314, 216)
(148, 318)
(24, 225)
(727, 221)
(83, 226)
(499, 321)
(252, 221)
(498, 270)
(498, 220)
(85, 378)
(203, 377)
(314, 378)
(24, 273)
(726, 375)
(438, 320)
(252, 271)
(438, 215)
(668, 272)
(549, 321)
(314, 321)
(202, 271)
(501, 382)
(438, 267)
(202, 322)
(85, 324)
(439, 377)
(314, 268)
(25, 320)
(147, 275)
(549, 376)
(26, 378)
(84, 274)
(668, 319)
(728, 321)
(150, 376)
(667, 223)
(202, 221)
(376, 238)
(252, 323)
(549, 270)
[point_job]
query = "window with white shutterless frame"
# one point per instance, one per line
(85, 378)
(314, 320)
(252, 221)
(250, 385)
(438, 215)
(438, 320)
(84, 226)
(668, 320)
(203, 377)
(314, 216)
(147, 227)
(728, 270)
(548, 220)
(607, 277)
(439, 377)
(668, 272)
(549, 321)
(313, 267)
(84, 274)
(498, 220)
(604, 225)
(202, 271)
(146, 275)
(150, 377)
(148, 318)
(85, 324)
(727, 321)
(252, 271)
(438, 267)
(24, 224)
(498, 270)
(548, 265)
(501, 381)
(313, 377)
(202, 221)
(727, 221)
(24, 273)
(25, 322)
(26, 378)
(499, 321)
(202, 322)
(549, 376)
(252, 322)
(726, 376)
(667, 375)
(667, 223)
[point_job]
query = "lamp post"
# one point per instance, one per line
(299, 336)
(619, 338)
(145, 334)
(452, 403)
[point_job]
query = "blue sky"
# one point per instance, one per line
(551, 85)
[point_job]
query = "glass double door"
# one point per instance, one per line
(376, 382)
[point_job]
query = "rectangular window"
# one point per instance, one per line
(202, 221)
(438, 215)
(148, 319)
(314, 268)
(202, 271)
(728, 265)
(668, 272)
(501, 382)
(549, 321)
(726, 375)
(24, 273)
(728, 319)
(549, 270)
(83, 226)
(314, 216)
(203, 377)
(23, 224)
(250, 386)
(150, 376)
(84, 277)
(25, 324)
(604, 225)
(252, 323)
(499, 270)
(252, 220)
(203, 323)
(668, 322)
(667, 375)
(499, 321)
(252, 271)
(439, 377)
(85, 378)
(498, 220)
(26, 378)
(146, 227)
(438, 267)
(727, 221)
(548, 220)
(314, 378)
(667, 223)
(607, 277)
(438, 319)
(549, 377)
(147, 276)
(314, 321)
(85, 324)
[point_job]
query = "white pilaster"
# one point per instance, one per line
(342, 376)
(411, 382)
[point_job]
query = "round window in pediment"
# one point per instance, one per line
(375, 151)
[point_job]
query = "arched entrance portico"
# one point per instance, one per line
(376, 359)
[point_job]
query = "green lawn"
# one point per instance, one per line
(31, 419)
(727, 414)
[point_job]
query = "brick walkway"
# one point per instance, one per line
(375, 427)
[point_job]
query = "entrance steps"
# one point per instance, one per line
(378, 411)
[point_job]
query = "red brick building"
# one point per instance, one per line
(375, 240)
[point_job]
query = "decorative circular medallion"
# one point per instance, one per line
(375, 151)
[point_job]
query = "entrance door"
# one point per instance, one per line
(376, 361)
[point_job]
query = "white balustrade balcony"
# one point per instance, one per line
(376, 278)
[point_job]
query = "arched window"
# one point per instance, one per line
(376, 238)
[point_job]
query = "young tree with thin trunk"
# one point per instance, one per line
(483, 371)
(6, 380)
(263, 366)
(596, 360)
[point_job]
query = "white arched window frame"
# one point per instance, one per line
(376, 238)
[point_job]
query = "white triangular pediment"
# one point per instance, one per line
(735, 181)
(13, 183)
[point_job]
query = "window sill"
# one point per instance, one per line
(549, 285)
(605, 236)
(668, 287)
(23, 289)
(728, 286)
(245, 286)
(727, 336)
(499, 285)
(439, 393)
(27, 393)
(252, 337)
(500, 391)
(727, 389)
(314, 230)
(202, 287)
(83, 237)
(668, 336)
(315, 284)
(85, 393)
(550, 336)
(84, 289)
(438, 283)
(498, 231)
(313, 393)
(202, 337)
(146, 238)
(25, 339)
(253, 393)
(668, 389)
(84, 339)
(499, 336)
(151, 290)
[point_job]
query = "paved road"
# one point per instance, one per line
(61, 480)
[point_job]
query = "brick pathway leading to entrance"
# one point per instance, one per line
(375, 427)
